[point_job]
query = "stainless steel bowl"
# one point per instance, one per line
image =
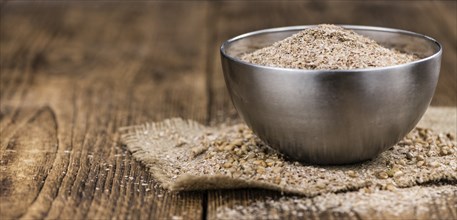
(334, 116)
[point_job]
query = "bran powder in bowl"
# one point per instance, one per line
(327, 47)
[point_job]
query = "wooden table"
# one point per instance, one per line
(72, 73)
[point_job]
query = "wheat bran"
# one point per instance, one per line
(184, 155)
(327, 47)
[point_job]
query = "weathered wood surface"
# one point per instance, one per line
(73, 73)
(71, 76)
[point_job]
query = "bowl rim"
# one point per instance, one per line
(351, 27)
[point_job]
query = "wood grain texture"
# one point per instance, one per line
(70, 77)
(72, 73)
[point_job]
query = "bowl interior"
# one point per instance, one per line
(404, 41)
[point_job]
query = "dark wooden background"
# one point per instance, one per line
(72, 73)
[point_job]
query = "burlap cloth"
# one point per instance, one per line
(185, 155)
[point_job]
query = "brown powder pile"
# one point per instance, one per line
(184, 155)
(327, 47)
(414, 201)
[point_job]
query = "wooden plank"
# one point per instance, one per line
(443, 22)
(74, 75)
(71, 75)
(234, 18)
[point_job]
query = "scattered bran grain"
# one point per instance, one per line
(233, 157)
(362, 204)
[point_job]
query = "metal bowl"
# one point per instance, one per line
(335, 116)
